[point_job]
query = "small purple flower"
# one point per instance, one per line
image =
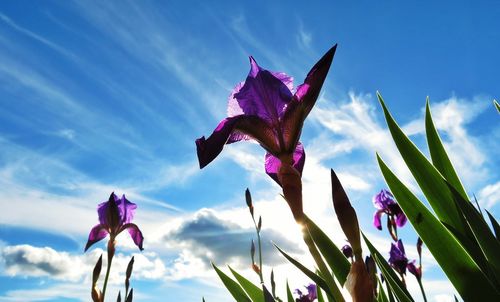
(347, 250)
(384, 202)
(312, 294)
(398, 258)
(115, 216)
(265, 109)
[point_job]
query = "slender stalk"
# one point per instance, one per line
(111, 253)
(260, 250)
(422, 289)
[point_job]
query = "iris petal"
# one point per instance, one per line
(97, 233)
(272, 163)
(377, 219)
(263, 94)
(253, 126)
(126, 210)
(135, 233)
(305, 98)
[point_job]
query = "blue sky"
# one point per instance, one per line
(109, 96)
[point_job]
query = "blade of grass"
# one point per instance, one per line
(468, 279)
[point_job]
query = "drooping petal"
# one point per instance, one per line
(97, 233)
(208, 149)
(263, 94)
(272, 163)
(135, 233)
(377, 219)
(400, 219)
(126, 210)
(305, 98)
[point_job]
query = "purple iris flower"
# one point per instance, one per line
(312, 294)
(398, 258)
(384, 202)
(265, 109)
(115, 216)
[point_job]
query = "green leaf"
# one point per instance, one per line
(289, 293)
(315, 278)
(465, 275)
(320, 294)
(338, 263)
(253, 291)
(427, 176)
(484, 237)
(381, 296)
(440, 158)
(497, 105)
(494, 223)
(390, 276)
(232, 286)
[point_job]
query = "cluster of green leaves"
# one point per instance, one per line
(456, 232)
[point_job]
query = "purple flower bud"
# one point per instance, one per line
(413, 269)
(398, 258)
(347, 251)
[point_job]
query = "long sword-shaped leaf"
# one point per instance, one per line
(468, 279)
(390, 276)
(317, 279)
(494, 223)
(289, 295)
(440, 158)
(428, 178)
(381, 296)
(338, 263)
(232, 286)
(484, 237)
(252, 290)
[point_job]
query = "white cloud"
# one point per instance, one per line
(489, 196)
(30, 261)
(451, 117)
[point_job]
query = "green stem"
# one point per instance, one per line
(422, 289)
(260, 251)
(111, 253)
(325, 273)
